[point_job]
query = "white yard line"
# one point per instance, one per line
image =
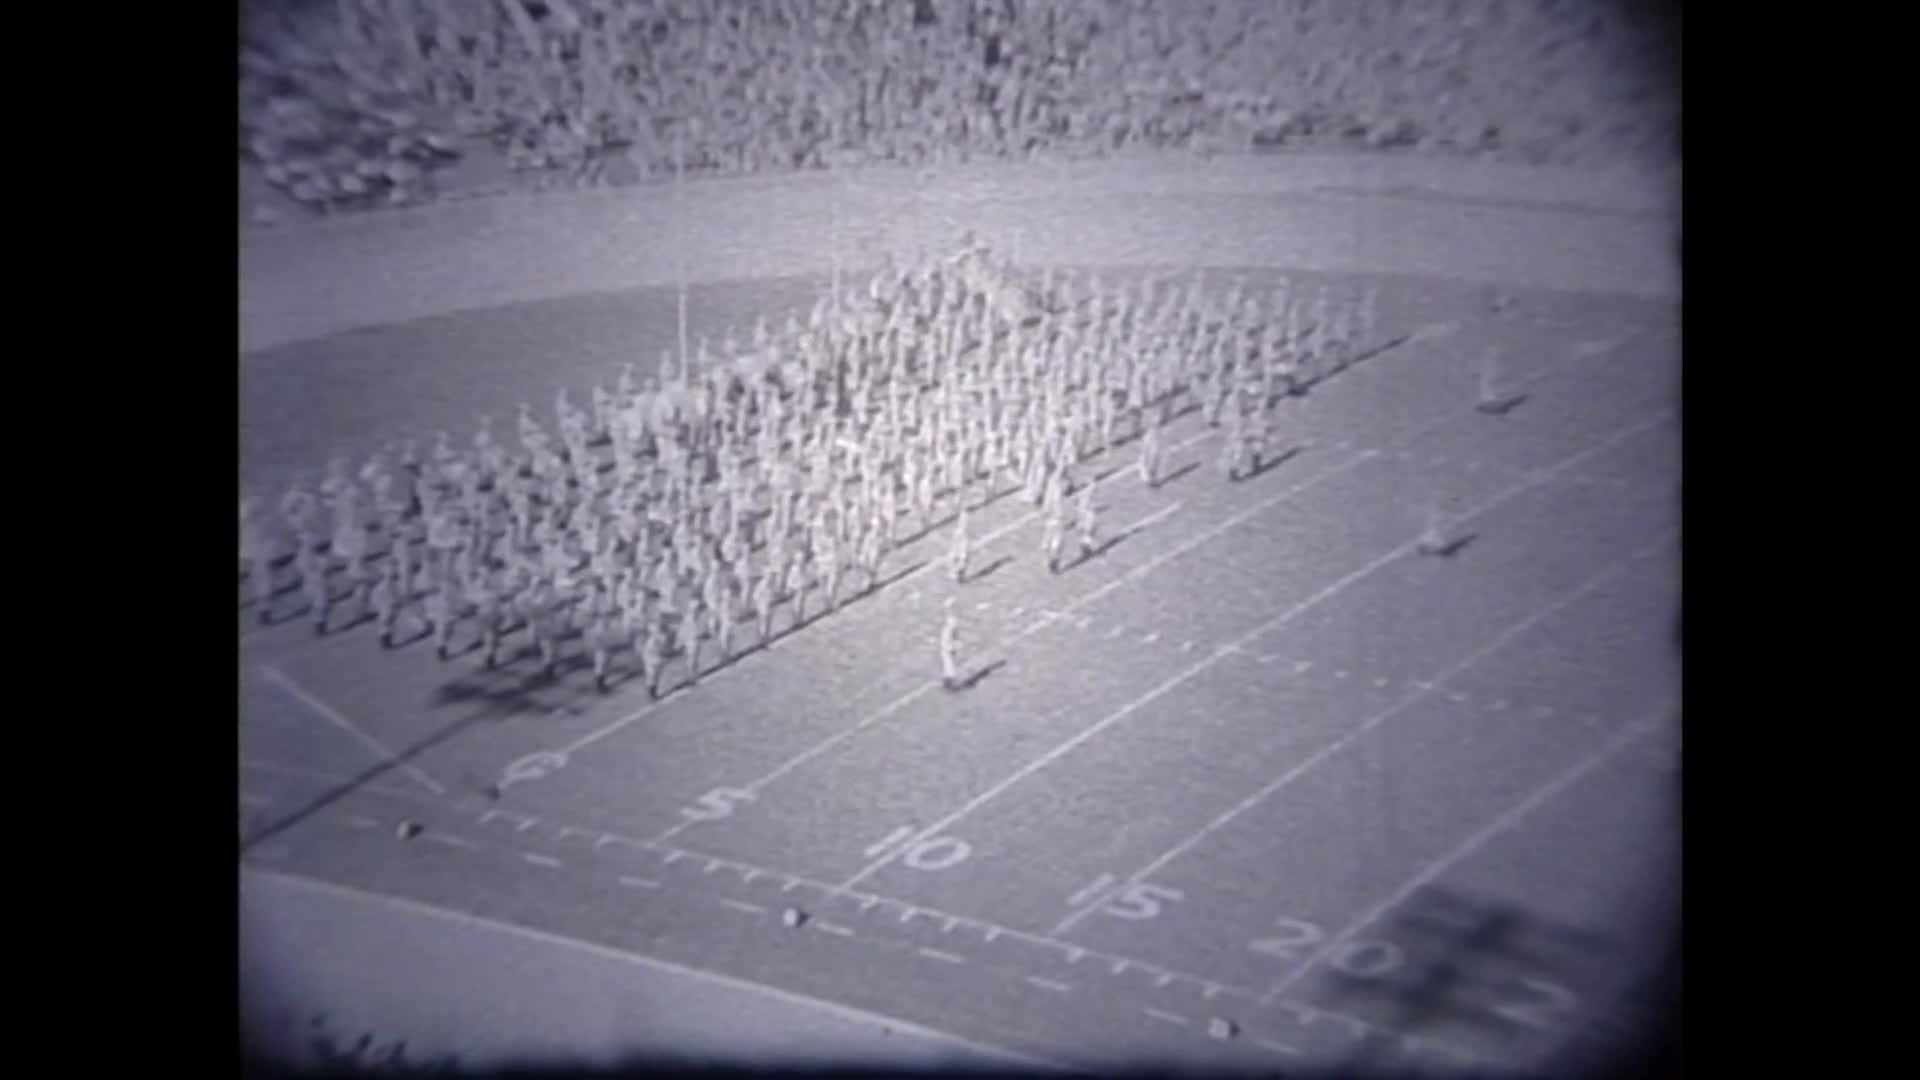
(928, 686)
(1421, 691)
(333, 716)
(1432, 871)
(1401, 551)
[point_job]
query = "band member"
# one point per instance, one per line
(950, 648)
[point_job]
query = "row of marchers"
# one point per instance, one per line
(668, 527)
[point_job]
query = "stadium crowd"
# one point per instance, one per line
(348, 103)
(668, 526)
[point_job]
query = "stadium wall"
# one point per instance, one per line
(1613, 232)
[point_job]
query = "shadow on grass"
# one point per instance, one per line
(1448, 548)
(986, 571)
(1473, 971)
(977, 676)
(1264, 464)
(1175, 475)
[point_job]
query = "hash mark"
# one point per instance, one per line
(833, 928)
(1151, 638)
(942, 955)
(1049, 984)
(450, 841)
(1276, 1047)
(1162, 1014)
(742, 905)
(673, 855)
(638, 882)
(712, 865)
(1163, 978)
(609, 838)
(540, 860)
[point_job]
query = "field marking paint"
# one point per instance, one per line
(990, 932)
(1276, 1047)
(1153, 518)
(450, 840)
(1054, 985)
(892, 840)
(331, 715)
(1432, 871)
(942, 955)
(833, 928)
(1171, 1018)
(1499, 641)
(746, 986)
(742, 905)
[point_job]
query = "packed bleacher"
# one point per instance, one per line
(355, 103)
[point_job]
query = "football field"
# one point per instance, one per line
(1260, 782)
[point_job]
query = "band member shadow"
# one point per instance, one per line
(1162, 481)
(1501, 405)
(967, 680)
(1446, 547)
(286, 585)
(984, 572)
(1263, 464)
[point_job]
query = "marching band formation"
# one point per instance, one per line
(666, 526)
